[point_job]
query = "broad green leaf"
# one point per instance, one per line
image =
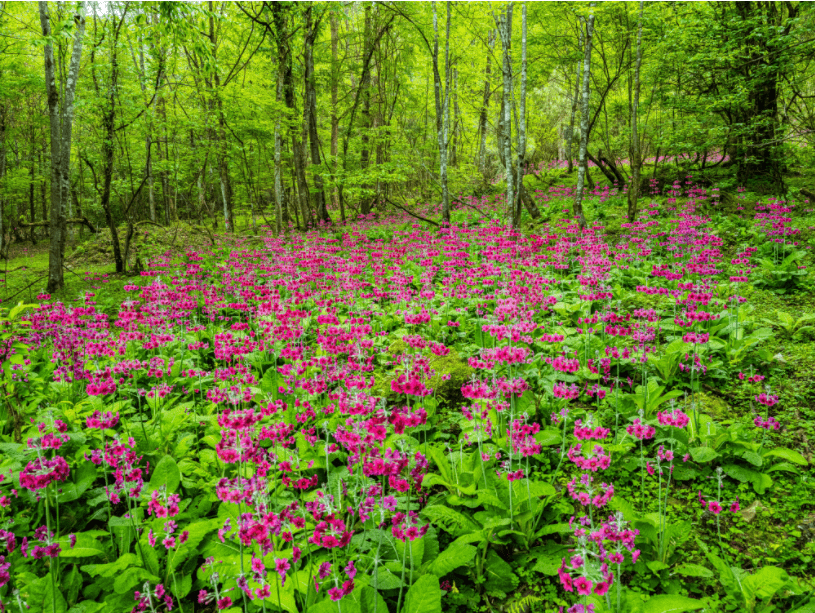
(765, 582)
(165, 473)
(787, 454)
(671, 603)
(424, 596)
(703, 454)
(457, 554)
(499, 574)
(130, 578)
(693, 570)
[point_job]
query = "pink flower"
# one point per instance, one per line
(714, 507)
(281, 565)
(583, 586)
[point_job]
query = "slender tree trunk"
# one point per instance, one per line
(298, 156)
(365, 89)
(31, 209)
(441, 106)
(109, 143)
(445, 190)
(505, 30)
(454, 139)
(311, 106)
(2, 175)
(584, 123)
(278, 166)
(634, 155)
(485, 105)
(521, 121)
(61, 124)
(575, 97)
(335, 121)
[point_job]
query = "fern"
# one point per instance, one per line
(524, 605)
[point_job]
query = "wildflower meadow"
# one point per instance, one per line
(392, 417)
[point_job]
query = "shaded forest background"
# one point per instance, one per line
(120, 116)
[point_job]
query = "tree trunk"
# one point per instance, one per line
(576, 95)
(485, 105)
(584, 123)
(280, 214)
(516, 219)
(445, 190)
(634, 155)
(108, 144)
(505, 30)
(280, 16)
(61, 124)
(454, 139)
(335, 121)
(311, 106)
(2, 174)
(441, 100)
(365, 89)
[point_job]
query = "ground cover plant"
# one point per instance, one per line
(392, 416)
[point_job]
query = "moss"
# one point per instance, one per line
(446, 390)
(715, 407)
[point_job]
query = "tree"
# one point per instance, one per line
(635, 160)
(504, 25)
(60, 117)
(584, 123)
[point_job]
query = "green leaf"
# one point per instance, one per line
(165, 473)
(51, 596)
(197, 532)
(457, 554)
(693, 570)
(424, 596)
(370, 600)
(671, 603)
(703, 454)
(80, 552)
(450, 520)
(499, 574)
(740, 473)
(132, 577)
(785, 466)
(787, 454)
(766, 581)
(384, 579)
(114, 568)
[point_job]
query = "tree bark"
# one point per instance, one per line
(61, 124)
(505, 31)
(2, 174)
(442, 109)
(335, 121)
(485, 105)
(279, 14)
(584, 123)
(634, 155)
(516, 220)
(575, 97)
(108, 125)
(311, 32)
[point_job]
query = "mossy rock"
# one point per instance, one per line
(710, 405)
(446, 391)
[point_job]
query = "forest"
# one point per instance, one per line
(407, 307)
